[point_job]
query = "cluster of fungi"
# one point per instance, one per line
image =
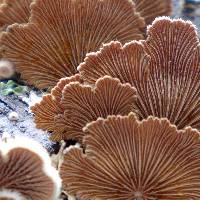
(121, 83)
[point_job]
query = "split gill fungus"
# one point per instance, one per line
(66, 113)
(26, 171)
(131, 101)
(58, 34)
(127, 159)
(164, 69)
(14, 11)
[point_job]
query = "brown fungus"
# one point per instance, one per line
(126, 159)
(14, 11)
(26, 171)
(61, 32)
(82, 104)
(164, 69)
(50, 105)
(150, 9)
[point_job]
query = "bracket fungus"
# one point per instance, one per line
(127, 159)
(61, 32)
(81, 104)
(14, 11)
(50, 106)
(164, 69)
(150, 9)
(26, 171)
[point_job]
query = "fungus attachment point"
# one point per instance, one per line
(30, 174)
(138, 195)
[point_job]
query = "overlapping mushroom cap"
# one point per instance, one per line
(150, 9)
(61, 32)
(164, 69)
(126, 159)
(14, 11)
(51, 106)
(18, 11)
(26, 171)
(66, 113)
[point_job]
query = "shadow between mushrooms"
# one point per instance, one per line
(80, 104)
(164, 69)
(61, 32)
(126, 159)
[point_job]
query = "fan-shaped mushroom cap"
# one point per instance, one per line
(126, 159)
(18, 11)
(26, 170)
(164, 69)
(14, 11)
(82, 104)
(50, 105)
(61, 32)
(150, 9)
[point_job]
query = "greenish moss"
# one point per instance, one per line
(11, 87)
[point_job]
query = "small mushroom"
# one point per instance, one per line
(50, 105)
(13, 116)
(26, 171)
(82, 104)
(6, 69)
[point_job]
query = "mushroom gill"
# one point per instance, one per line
(150, 9)
(51, 105)
(164, 69)
(14, 11)
(82, 104)
(26, 171)
(127, 159)
(61, 32)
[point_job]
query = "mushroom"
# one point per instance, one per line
(26, 171)
(164, 69)
(14, 11)
(61, 32)
(128, 159)
(18, 11)
(150, 9)
(6, 69)
(50, 105)
(82, 104)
